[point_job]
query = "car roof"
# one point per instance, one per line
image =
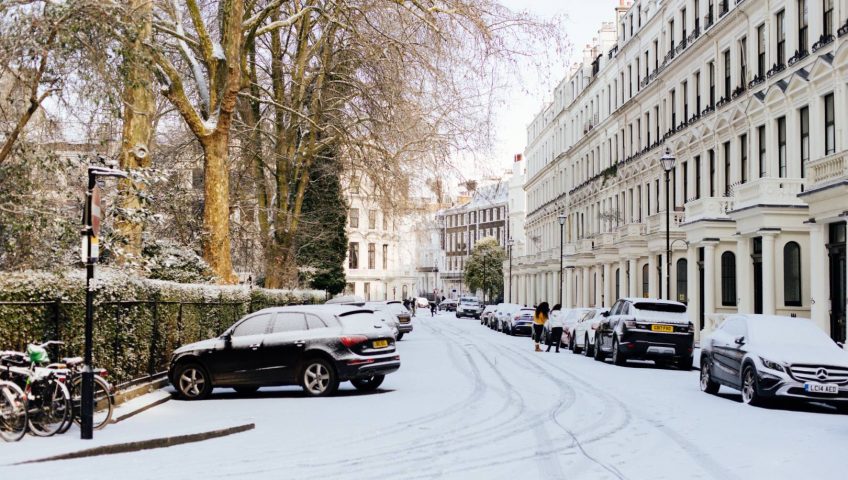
(651, 300)
(345, 299)
(339, 310)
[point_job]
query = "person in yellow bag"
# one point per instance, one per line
(543, 311)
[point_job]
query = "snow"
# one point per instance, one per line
(218, 51)
(471, 403)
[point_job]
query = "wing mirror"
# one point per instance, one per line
(227, 337)
(740, 340)
(606, 314)
(841, 345)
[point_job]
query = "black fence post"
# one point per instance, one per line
(57, 333)
(180, 324)
(154, 338)
(116, 340)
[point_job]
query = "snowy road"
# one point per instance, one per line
(471, 403)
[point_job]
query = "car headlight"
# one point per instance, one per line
(772, 365)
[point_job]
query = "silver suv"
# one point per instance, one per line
(469, 307)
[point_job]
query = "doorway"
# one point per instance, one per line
(757, 258)
(836, 261)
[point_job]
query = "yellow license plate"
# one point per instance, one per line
(381, 343)
(662, 328)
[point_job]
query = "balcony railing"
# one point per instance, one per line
(606, 239)
(630, 230)
(708, 208)
(769, 191)
(828, 169)
(656, 222)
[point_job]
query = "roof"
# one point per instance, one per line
(329, 309)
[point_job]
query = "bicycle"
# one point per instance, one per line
(48, 401)
(70, 371)
(13, 412)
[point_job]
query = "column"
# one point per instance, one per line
(663, 276)
(584, 302)
(569, 295)
(709, 281)
(622, 279)
(632, 288)
(652, 275)
(768, 272)
(608, 285)
(599, 280)
(818, 278)
(744, 276)
(692, 287)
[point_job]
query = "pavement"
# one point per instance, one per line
(471, 403)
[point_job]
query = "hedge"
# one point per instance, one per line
(137, 322)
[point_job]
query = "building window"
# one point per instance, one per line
(781, 37)
(683, 24)
(728, 279)
(727, 88)
(805, 139)
(761, 158)
(367, 287)
(712, 84)
(385, 257)
(792, 275)
(781, 147)
(671, 33)
(712, 178)
(617, 283)
(682, 283)
(803, 22)
(697, 92)
(372, 219)
(372, 256)
(685, 182)
(697, 177)
(354, 217)
(697, 20)
(743, 156)
(743, 61)
(726, 148)
(709, 13)
(684, 89)
(353, 255)
(673, 110)
(761, 51)
(829, 125)
(827, 18)
(645, 280)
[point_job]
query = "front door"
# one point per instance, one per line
(836, 257)
(757, 258)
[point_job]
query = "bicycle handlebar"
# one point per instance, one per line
(50, 342)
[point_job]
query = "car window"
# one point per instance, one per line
(616, 308)
(254, 325)
(288, 322)
(734, 326)
(314, 322)
(661, 307)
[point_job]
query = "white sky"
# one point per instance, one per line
(584, 18)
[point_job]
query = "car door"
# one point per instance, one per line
(284, 347)
(240, 356)
(606, 325)
(725, 356)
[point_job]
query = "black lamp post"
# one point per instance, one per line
(561, 219)
(509, 245)
(667, 162)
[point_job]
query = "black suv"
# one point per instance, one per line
(644, 328)
(314, 346)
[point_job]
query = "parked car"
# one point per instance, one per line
(314, 346)
(646, 328)
(488, 314)
(583, 338)
(572, 316)
(469, 307)
(402, 318)
(422, 302)
(768, 356)
(504, 314)
(519, 321)
(546, 331)
(448, 305)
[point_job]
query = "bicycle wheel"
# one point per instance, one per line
(49, 406)
(104, 401)
(13, 412)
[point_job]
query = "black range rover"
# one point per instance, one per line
(314, 346)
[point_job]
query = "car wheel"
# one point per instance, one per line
(193, 383)
(318, 378)
(617, 355)
(599, 354)
(245, 390)
(750, 396)
(577, 347)
(684, 363)
(399, 336)
(587, 347)
(708, 385)
(368, 384)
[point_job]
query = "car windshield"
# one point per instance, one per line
(361, 321)
(469, 300)
(660, 307)
(788, 331)
(398, 309)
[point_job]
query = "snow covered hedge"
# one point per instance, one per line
(137, 321)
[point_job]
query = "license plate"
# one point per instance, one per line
(821, 388)
(381, 343)
(662, 328)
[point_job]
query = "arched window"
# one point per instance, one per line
(617, 283)
(645, 280)
(792, 275)
(728, 279)
(682, 284)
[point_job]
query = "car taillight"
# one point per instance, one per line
(351, 340)
(516, 317)
(630, 323)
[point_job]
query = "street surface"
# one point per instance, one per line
(472, 403)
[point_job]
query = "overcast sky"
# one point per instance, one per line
(584, 18)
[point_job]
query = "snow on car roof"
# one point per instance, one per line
(784, 330)
(651, 300)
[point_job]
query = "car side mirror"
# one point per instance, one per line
(740, 340)
(841, 345)
(606, 314)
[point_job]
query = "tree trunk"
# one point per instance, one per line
(139, 108)
(216, 210)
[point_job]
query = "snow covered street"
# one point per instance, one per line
(470, 403)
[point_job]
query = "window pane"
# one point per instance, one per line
(255, 325)
(288, 322)
(792, 274)
(728, 279)
(682, 283)
(314, 322)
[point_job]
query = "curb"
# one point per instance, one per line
(144, 444)
(141, 410)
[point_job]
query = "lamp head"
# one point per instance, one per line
(667, 160)
(562, 219)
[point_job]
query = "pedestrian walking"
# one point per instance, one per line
(539, 318)
(432, 309)
(555, 323)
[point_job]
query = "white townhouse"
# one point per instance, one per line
(750, 98)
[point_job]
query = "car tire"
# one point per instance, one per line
(192, 382)
(708, 385)
(318, 378)
(684, 363)
(750, 395)
(246, 390)
(599, 354)
(587, 347)
(368, 384)
(399, 337)
(577, 348)
(618, 357)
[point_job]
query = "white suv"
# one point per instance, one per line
(469, 307)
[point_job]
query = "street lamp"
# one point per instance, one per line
(561, 219)
(509, 245)
(667, 162)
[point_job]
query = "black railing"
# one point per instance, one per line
(823, 41)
